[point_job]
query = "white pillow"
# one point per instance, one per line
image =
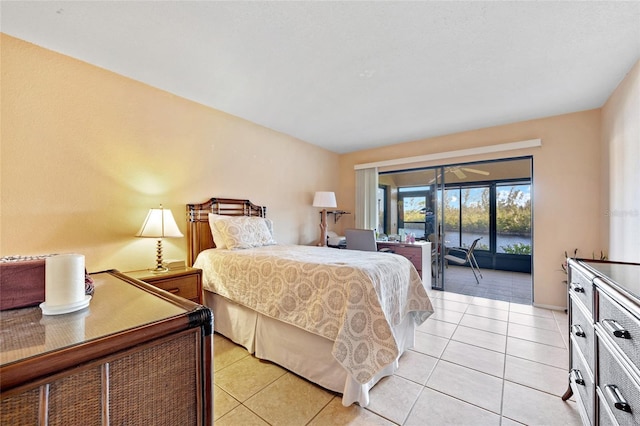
(242, 232)
(269, 223)
(217, 237)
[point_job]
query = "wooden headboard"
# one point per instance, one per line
(198, 230)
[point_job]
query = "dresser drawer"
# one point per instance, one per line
(620, 390)
(582, 333)
(605, 416)
(620, 325)
(580, 284)
(186, 286)
(581, 381)
(413, 253)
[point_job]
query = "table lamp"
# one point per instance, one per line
(159, 224)
(324, 199)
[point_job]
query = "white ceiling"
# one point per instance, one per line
(353, 75)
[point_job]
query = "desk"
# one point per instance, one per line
(419, 253)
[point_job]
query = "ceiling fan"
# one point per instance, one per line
(459, 171)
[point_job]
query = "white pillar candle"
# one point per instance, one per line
(64, 279)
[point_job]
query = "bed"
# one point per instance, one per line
(338, 318)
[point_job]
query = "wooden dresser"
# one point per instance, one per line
(137, 355)
(604, 350)
(419, 253)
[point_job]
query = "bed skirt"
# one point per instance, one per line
(305, 354)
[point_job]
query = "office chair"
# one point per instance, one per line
(469, 258)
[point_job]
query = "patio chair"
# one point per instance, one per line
(468, 258)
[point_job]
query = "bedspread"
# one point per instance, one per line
(353, 298)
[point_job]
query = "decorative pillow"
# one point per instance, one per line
(217, 237)
(242, 232)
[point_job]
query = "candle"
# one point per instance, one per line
(64, 279)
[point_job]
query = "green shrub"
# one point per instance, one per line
(517, 248)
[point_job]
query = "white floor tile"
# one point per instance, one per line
(416, 367)
(457, 297)
(488, 312)
(439, 328)
(484, 339)
(393, 397)
(532, 407)
(450, 305)
(436, 408)
(538, 352)
(241, 415)
(273, 403)
(490, 303)
(531, 310)
(463, 383)
(474, 357)
(354, 415)
(429, 344)
(539, 335)
(533, 321)
(484, 323)
(447, 316)
(542, 377)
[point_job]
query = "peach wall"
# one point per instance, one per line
(85, 153)
(566, 173)
(621, 168)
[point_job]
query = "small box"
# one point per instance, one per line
(21, 282)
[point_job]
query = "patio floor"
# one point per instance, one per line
(509, 286)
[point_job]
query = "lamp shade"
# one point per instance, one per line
(159, 224)
(325, 199)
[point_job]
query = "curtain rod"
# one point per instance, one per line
(531, 143)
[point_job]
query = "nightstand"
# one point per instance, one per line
(184, 282)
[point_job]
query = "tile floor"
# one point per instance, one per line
(498, 285)
(476, 362)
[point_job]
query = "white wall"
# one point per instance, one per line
(621, 169)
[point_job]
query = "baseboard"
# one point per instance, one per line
(550, 307)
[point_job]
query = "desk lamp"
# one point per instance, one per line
(159, 224)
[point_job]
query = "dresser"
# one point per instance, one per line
(604, 341)
(136, 355)
(419, 253)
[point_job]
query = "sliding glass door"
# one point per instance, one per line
(453, 205)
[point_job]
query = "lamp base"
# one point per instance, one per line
(323, 228)
(159, 268)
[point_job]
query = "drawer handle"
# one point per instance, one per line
(618, 400)
(173, 290)
(578, 331)
(576, 376)
(577, 288)
(616, 329)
